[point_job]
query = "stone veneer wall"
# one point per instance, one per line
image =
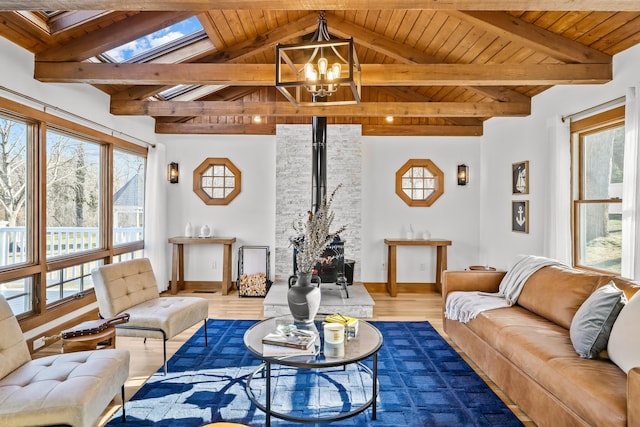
(293, 187)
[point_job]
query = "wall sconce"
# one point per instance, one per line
(463, 174)
(172, 173)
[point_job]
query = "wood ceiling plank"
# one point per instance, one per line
(209, 25)
(372, 74)
(533, 37)
(408, 55)
(106, 38)
(201, 5)
(283, 109)
(265, 41)
(621, 26)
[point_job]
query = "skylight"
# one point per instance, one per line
(172, 35)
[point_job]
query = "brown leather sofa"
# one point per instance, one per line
(527, 351)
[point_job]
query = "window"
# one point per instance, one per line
(598, 158)
(62, 187)
(217, 181)
(73, 194)
(419, 182)
(70, 281)
(161, 41)
(128, 197)
(14, 245)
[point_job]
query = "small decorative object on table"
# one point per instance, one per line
(288, 340)
(293, 337)
(312, 238)
(205, 231)
(350, 324)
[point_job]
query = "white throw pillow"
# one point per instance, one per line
(592, 323)
(624, 345)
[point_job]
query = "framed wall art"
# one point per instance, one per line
(520, 177)
(520, 216)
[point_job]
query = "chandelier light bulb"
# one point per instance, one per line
(337, 69)
(322, 66)
(308, 70)
(330, 75)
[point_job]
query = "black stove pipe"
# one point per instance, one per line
(318, 162)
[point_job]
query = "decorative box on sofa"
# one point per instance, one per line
(527, 351)
(68, 389)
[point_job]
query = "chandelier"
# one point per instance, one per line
(314, 71)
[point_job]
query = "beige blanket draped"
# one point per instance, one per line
(464, 306)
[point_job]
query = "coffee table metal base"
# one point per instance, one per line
(266, 408)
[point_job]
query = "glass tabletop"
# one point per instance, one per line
(366, 343)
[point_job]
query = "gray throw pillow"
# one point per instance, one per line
(592, 323)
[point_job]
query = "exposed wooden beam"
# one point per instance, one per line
(409, 55)
(369, 130)
(284, 109)
(405, 94)
(219, 129)
(200, 5)
(372, 74)
(421, 130)
(104, 39)
(532, 36)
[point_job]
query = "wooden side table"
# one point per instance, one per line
(441, 259)
(104, 339)
(177, 264)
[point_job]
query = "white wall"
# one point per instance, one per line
(250, 217)
(454, 216)
(510, 140)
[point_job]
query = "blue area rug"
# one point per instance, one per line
(423, 382)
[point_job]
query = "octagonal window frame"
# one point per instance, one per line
(228, 180)
(418, 183)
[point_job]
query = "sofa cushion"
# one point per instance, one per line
(171, 314)
(591, 326)
(122, 285)
(543, 351)
(557, 292)
(623, 346)
(66, 389)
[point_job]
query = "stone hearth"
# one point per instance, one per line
(333, 300)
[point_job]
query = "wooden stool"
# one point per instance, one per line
(104, 339)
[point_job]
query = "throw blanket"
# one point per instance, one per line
(464, 306)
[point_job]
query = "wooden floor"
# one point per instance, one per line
(147, 358)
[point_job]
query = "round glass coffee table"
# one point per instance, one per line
(365, 345)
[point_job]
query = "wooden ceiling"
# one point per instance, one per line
(441, 69)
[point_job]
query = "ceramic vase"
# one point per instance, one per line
(304, 297)
(188, 230)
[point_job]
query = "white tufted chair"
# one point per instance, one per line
(131, 287)
(67, 389)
